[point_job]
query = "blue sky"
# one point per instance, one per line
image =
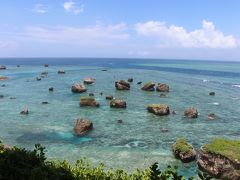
(179, 29)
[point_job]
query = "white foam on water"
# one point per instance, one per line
(205, 80)
(215, 103)
(236, 85)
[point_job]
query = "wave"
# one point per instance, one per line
(236, 85)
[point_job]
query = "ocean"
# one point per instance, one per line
(138, 141)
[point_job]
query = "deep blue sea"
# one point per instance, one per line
(138, 141)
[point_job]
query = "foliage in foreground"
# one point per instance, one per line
(22, 164)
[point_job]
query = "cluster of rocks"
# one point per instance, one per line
(160, 87)
(214, 163)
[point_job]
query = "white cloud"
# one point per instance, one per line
(71, 6)
(98, 34)
(40, 8)
(176, 36)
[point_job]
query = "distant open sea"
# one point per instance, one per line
(138, 141)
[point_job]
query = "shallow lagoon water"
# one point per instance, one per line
(138, 141)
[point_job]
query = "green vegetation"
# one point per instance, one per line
(22, 164)
(224, 147)
(182, 146)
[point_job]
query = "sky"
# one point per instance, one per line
(173, 29)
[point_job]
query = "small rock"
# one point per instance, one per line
(46, 65)
(25, 111)
(3, 85)
(163, 130)
(44, 102)
(2, 78)
(101, 93)
(118, 103)
(211, 116)
(119, 121)
(50, 89)
(104, 69)
(162, 87)
(191, 113)
(82, 127)
(88, 80)
(2, 67)
(38, 79)
(61, 71)
(1, 96)
(139, 82)
(212, 94)
(122, 85)
(18, 65)
(45, 73)
(148, 86)
(12, 98)
(91, 94)
(130, 79)
(174, 112)
(163, 95)
(78, 88)
(109, 97)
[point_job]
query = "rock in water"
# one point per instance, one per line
(122, 85)
(149, 86)
(51, 89)
(118, 104)
(191, 113)
(91, 94)
(158, 109)
(162, 87)
(221, 159)
(2, 67)
(212, 94)
(46, 65)
(211, 116)
(88, 101)
(82, 127)
(109, 97)
(139, 82)
(88, 80)
(184, 151)
(130, 79)
(61, 71)
(2, 78)
(25, 111)
(78, 88)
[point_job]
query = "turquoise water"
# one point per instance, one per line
(138, 141)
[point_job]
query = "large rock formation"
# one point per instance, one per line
(88, 80)
(162, 87)
(184, 151)
(82, 127)
(118, 103)
(158, 109)
(149, 86)
(78, 88)
(122, 85)
(191, 113)
(88, 101)
(221, 159)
